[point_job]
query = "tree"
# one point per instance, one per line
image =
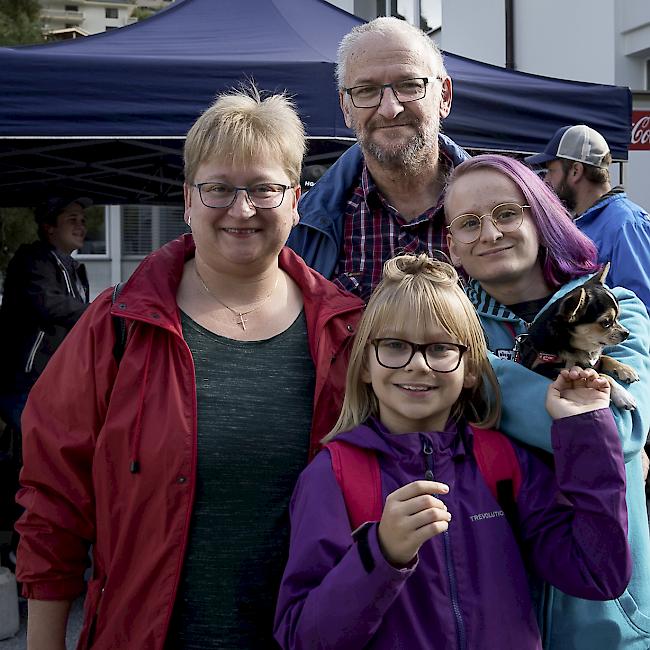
(140, 13)
(20, 22)
(17, 226)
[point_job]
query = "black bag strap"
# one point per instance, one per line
(119, 326)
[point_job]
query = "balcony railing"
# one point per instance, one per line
(62, 15)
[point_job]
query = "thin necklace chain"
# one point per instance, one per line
(237, 313)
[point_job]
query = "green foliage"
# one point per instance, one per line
(14, 8)
(20, 22)
(17, 226)
(140, 13)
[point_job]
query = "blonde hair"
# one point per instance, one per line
(424, 291)
(242, 126)
(386, 26)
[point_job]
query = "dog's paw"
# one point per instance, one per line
(622, 398)
(626, 373)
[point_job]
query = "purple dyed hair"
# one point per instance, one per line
(565, 252)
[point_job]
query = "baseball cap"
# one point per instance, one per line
(310, 176)
(579, 142)
(47, 211)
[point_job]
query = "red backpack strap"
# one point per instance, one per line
(357, 472)
(496, 459)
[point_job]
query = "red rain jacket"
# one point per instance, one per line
(88, 423)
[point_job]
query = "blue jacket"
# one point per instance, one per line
(621, 231)
(572, 623)
(318, 237)
(468, 589)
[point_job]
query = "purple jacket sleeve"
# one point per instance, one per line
(327, 598)
(574, 524)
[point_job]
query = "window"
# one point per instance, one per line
(147, 227)
(72, 7)
(647, 74)
(111, 12)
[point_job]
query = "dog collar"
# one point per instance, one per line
(545, 357)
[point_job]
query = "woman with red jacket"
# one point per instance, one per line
(175, 457)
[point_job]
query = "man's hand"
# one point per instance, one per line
(575, 391)
(411, 516)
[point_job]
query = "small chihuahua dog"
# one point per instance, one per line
(573, 332)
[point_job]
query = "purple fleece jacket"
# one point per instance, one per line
(468, 588)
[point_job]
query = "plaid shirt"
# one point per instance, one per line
(374, 231)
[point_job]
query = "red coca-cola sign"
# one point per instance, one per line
(640, 138)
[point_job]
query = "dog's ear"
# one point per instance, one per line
(601, 276)
(573, 305)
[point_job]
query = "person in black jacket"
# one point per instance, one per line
(45, 292)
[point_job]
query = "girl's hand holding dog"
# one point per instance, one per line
(411, 516)
(575, 391)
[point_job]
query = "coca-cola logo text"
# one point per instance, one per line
(640, 138)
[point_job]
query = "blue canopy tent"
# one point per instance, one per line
(106, 115)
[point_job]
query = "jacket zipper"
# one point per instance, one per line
(92, 627)
(66, 276)
(33, 351)
(429, 475)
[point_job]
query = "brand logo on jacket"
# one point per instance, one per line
(487, 515)
(640, 137)
(508, 355)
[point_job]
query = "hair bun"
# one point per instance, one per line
(398, 268)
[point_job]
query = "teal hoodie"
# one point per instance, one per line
(573, 623)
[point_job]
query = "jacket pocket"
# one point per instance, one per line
(639, 621)
(91, 608)
(32, 353)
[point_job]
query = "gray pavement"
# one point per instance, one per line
(19, 642)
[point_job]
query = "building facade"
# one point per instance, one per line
(88, 16)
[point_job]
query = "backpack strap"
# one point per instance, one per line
(119, 326)
(497, 462)
(357, 472)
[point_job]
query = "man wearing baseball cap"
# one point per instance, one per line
(577, 160)
(45, 292)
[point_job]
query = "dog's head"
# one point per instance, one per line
(590, 314)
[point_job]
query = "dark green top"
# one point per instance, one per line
(255, 401)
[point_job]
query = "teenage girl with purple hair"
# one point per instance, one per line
(522, 252)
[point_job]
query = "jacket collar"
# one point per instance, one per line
(373, 435)
(150, 293)
(614, 194)
(323, 207)
(487, 306)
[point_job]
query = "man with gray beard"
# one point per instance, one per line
(384, 195)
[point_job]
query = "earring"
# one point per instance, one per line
(189, 221)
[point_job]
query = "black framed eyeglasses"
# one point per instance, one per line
(397, 353)
(506, 217)
(222, 195)
(407, 90)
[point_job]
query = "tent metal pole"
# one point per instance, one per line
(417, 11)
(114, 216)
(510, 34)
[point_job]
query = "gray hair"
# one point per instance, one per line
(385, 26)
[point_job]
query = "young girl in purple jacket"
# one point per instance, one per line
(443, 567)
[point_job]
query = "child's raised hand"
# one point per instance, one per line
(577, 390)
(411, 516)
